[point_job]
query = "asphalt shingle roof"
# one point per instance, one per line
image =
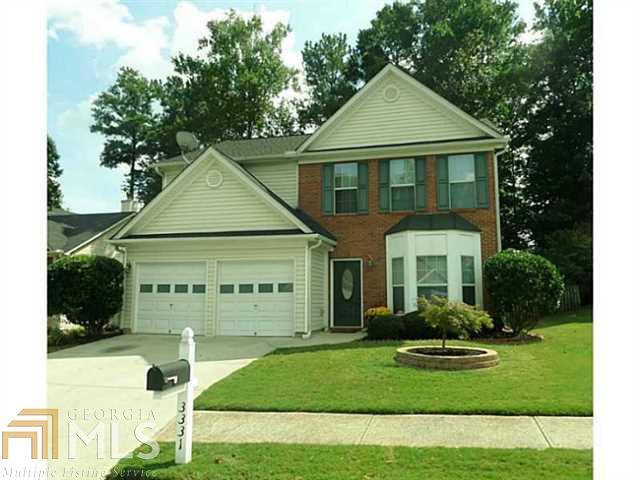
(250, 147)
(433, 221)
(65, 231)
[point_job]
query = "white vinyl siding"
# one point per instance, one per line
(197, 207)
(212, 252)
(319, 290)
(411, 118)
(281, 177)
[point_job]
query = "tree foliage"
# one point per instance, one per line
(54, 191)
(85, 288)
(558, 134)
(330, 84)
(124, 114)
(232, 87)
(571, 250)
(452, 318)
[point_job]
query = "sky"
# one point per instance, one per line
(89, 40)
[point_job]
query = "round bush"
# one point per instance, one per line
(522, 287)
(87, 289)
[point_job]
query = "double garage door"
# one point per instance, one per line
(252, 298)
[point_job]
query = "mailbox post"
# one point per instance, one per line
(178, 378)
(184, 418)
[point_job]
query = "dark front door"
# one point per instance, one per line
(347, 293)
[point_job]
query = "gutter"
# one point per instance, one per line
(124, 241)
(496, 182)
(307, 285)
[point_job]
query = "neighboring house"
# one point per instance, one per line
(395, 196)
(71, 233)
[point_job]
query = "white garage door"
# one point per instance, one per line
(255, 298)
(171, 296)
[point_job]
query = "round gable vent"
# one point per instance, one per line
(214, 178)
(391, 93)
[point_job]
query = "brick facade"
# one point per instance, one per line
(363, 235)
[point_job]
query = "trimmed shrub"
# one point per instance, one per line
(522, 287)
(87, 289)
(385, 327)
(452, 318)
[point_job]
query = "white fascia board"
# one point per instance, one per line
(395, 151)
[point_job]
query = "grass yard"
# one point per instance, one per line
(264, 461)
(553, 377)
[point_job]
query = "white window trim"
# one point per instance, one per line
(418, 285)
(402, 185)
(336, 189)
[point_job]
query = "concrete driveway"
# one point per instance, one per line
(102, 385)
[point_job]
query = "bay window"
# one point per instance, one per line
(468, 280)
(431, 276)
(397, 283)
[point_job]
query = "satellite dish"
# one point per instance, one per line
(187, 141)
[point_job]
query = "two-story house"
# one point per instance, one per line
(394, 197)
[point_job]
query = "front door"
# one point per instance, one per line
(347, 293)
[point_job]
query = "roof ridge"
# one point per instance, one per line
(262, 138)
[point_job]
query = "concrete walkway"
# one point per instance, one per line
(406, 430)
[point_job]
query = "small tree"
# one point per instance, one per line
(453, 318)
(87, 289)
(522, 287)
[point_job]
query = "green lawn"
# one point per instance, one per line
(314, 462)
(553, 377)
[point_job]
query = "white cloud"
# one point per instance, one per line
(149, 45)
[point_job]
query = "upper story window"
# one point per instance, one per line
(402, 184)
(462, 181)
(345, 188)
(402, 179)
(345, 177)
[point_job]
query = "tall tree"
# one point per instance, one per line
(558, 135)
(54, 191)
(233, 86)
(124, 114)
(328, 75)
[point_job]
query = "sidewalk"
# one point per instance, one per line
(406, 430)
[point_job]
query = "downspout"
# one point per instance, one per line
(123, 250)
(307, 289)
(496, 182)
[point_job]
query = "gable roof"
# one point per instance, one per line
(437, 103)
(303, 222)
(69, 231)
(433, 221)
